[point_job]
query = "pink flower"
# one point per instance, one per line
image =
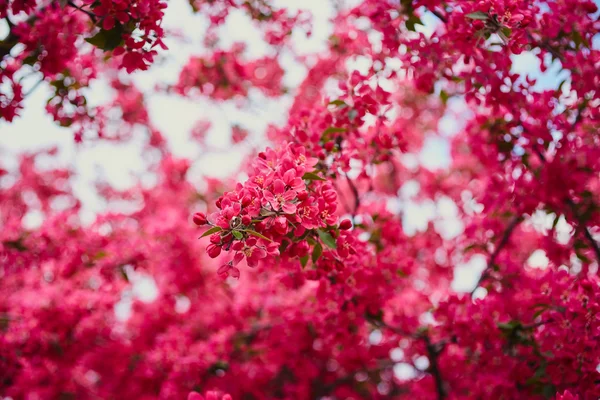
(250, 250)
(566, 395)
(226, 270)
(281, 199)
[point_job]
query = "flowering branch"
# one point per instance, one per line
(586, 232)
(503, 242)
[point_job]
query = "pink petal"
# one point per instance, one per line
(278, 187)
(237, 258)
(289, 208)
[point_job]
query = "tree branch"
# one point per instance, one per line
(586, 232)
(88, 13)
(433, 351)
(503, 242)
(439, 15)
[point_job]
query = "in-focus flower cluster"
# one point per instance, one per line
(284, 205)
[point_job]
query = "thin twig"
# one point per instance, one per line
(439, 15)
(503, 242)
(88, 13)
(433, 352)
(586, 232)
(355, 193)
(37, 84)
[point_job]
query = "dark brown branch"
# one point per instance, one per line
(593, 243)
(503, 242)
(7, 44)
(586, 232)
(11, 40)
(433, 351)
(88, 13)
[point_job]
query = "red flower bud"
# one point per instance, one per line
(246, 220)
(213, 250)
(345, 224)
(215, 238)
(302, 195)
(200, 219)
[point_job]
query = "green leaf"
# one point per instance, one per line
(509, 326)
(338, 102)
(311, 176)
(304, 261)
(479, 15)
(333, 129)
(212, 230)
(556, 219)
(123, 273)
(237, 234)
(577, 39)
(100, 255)
(107, 40)
(317, 251)
(31, 58)
(266, 213)
(583, 258)
(283, 246)
(327, 239)
(401, 274)
(254, 233)
(444, 96)
(540, 311)
(412, 21)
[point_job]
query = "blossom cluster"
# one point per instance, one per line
(285, 204)
(357, 242)
(223, 75)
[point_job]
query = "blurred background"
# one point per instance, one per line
(124, 164)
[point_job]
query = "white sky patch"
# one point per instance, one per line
(435, 153)
(467, 274)
(538, 259)
(143, 288)
(404, 372)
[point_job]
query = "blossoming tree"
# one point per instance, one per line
(305, 282)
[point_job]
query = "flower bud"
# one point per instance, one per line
(200, 219)
(302, 195)
(246, 220)
(213, 250)
(215, 238)
(345, 224)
